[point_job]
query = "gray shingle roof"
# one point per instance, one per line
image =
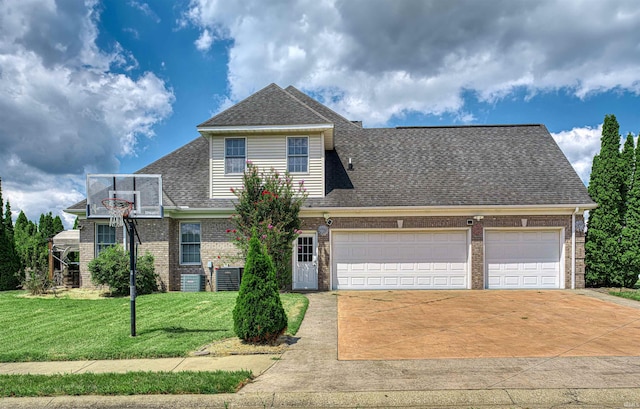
(454, 166)
(270, 106)
(501, 165)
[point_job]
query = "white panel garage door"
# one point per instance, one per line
(394, 260)
(522, 259)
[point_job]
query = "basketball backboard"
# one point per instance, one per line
(143, 190)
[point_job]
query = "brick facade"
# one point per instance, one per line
(161, 238)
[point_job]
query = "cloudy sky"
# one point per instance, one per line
(112, 86)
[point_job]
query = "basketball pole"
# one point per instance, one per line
(132, 273)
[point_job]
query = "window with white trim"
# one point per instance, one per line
(105, 237)
(189, 243)
(298, 154)
(235, 155)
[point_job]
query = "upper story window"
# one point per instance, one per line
(189, 243)
(105, 237)
(235, 155)
(298, 154)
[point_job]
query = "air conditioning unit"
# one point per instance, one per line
(192, 283)
(228, 278)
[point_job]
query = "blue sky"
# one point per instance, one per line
(110, 86)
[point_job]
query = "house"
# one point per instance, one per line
(446, 207)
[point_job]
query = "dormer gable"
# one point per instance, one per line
(272, 129)
(270, 110)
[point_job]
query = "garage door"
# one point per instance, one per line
(522, 259)
(393, 260)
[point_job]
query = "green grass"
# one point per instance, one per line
(168, 325)
(131, 383)
(632, 295)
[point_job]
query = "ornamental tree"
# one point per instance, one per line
(269, 204)
(258, 316)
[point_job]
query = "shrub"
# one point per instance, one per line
(111, 268)
(258, 316)
(37, 282)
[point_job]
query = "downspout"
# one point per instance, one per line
(573, 248)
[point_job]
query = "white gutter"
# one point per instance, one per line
(573, 248)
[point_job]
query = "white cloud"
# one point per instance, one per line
(580, 145)
(373, 59)
(66, 106)
(204, 42)
(145, 9)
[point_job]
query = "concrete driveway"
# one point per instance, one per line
(396, 325)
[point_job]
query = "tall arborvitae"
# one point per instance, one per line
(630, 241)
(9, 264)
(602, 245)
(627, 170)
(14, 259)
(57, 225)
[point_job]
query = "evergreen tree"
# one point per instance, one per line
(45, 227)
(14, 258)
(602, 247)
(76, 223)
(258, 316)
(57, 225)
(9, 262)
(30, 245)
(22, 222)
(630, 241)
(627, 170)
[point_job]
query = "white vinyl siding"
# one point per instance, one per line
(266, 152)
(105, 237)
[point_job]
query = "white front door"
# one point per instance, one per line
(305, 263)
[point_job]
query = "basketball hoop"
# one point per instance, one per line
(118, 209)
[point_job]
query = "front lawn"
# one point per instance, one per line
(130, 383)
(168, 325)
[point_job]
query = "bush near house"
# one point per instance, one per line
(258, 316)
(112, 268)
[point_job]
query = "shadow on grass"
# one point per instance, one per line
(179, 330)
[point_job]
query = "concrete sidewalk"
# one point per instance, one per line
(309, 375)
(257, 364)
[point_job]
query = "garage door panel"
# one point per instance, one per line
(400, 260)
(522, 259)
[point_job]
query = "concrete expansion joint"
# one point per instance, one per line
(177, 365)
(83, 368)
(509, 395)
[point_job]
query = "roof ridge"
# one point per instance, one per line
(271, 105)
(323, 105)
(305, 105)
(465, 126)
(239, 102)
